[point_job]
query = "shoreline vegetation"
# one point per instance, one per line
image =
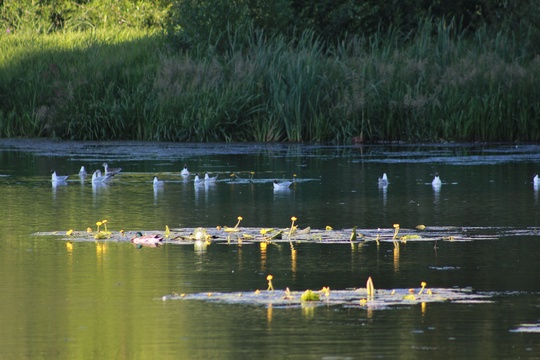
(128, 81)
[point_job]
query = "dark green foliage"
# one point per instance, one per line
(254, 70)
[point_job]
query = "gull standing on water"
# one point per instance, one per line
(185, 171)
(56, 178)
(198, 180)
(210, 179)
(436, 181)
(111, 171)
(282, 185)
(82, 172)
(383, 181)
(158, 183)
(98, 178)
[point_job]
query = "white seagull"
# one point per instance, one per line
(209, 179)
(185, 171)
(536, 180)
(98, 178)
(383, 181)
(157, 182)
(111, 171)
(82, 172)
(282, 185)
(198, 180)
(436, 181)
(56, 178)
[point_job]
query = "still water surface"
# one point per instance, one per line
(102, 300)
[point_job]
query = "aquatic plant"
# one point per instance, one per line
(270, 286)
(238, 223)
(370, 289)
(423, 285)
(167, 231)
(310, 295)
(69, 232)
(394, 237)
(104, 222)
(292, 229)
(353, 236)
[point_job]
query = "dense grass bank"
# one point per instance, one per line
(126, 84)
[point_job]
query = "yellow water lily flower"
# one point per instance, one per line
(238, 223)
(99, 223)
(293, 219)
(363, 302)
(423, 284)
(353, 235)
(270, 286)
(370, 288)
(167, 231)
(89, 230)
(104, 222)
(328, 228)
(420, 227)
(69, 232)
(287, 294)
(325, 290)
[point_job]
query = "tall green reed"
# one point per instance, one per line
(438, 84)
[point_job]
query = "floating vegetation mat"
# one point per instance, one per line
(381, 299)
(247, 235)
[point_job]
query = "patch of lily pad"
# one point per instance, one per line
(356, 298)
(249, 235)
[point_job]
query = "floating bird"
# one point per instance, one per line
(56, 178)
(82, 172)
(210, 179)
(157, 182)
(436, 181)
(198, 180)
(97, 177)
(282, 185)
(140, 240)
(185, 171)
(383, 181)
(112, 171)
(536, 180)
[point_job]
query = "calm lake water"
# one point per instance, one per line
(103, 300)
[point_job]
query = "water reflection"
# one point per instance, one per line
(200, 246)
(98, 187)
(158, 189)
(69, 292)
(396, 257)
(263, 246)
(436, 195)
(383, 190)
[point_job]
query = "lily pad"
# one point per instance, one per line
(216, 234)
(348, 298)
